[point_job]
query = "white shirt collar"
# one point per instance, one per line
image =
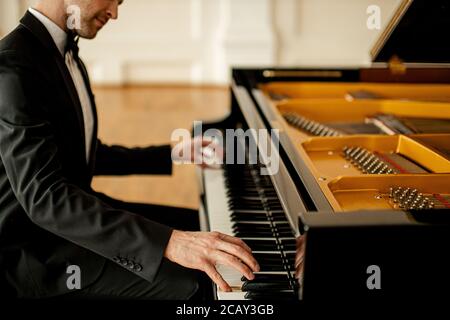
(59, 35)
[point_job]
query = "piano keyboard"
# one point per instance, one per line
(245, 205)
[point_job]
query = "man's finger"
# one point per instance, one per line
(235, 263)
(236, 241)
(217, 278)
(237, 252)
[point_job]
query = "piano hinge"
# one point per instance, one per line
(397, 66)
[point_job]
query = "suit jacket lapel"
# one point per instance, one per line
(35, 26)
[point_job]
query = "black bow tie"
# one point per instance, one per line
(72, 44)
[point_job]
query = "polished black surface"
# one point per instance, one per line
(421, 35)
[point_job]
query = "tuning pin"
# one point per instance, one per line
(313, 128)
(320, 130)
(373, 165)
(391, 192)
(408, 201)
(364, 158)
(348, 150)
(361, 152)
(385, 169)
(308, 125)
(355, 152)
(300, 122)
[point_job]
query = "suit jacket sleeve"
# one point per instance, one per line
(30, 156)
(117, 160)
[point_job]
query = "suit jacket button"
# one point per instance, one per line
(137, 267)
(131, 265)
(123, 262)
(116, 259)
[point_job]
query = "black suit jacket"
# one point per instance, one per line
(50, 217)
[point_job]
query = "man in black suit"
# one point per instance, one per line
(50, 218)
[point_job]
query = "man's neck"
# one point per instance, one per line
(54, 10)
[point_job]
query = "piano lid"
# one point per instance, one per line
(418, 33)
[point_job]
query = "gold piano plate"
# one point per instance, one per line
(376, 192)
(402, 154)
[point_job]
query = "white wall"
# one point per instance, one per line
(179, 41)
(10, 13)
(196, 41)
(327, 32)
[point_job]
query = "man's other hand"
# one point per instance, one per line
(204, 152)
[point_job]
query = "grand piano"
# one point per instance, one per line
(363, 171)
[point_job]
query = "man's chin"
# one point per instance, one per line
(88, 35)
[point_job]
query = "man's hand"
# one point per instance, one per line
(204, 250)
(204, 152)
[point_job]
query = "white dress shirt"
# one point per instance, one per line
(60, 38)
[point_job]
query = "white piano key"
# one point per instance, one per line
(219, 219)
(216, 202)
(231, 276)
(235, 295)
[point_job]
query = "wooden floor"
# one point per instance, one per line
(141, 116)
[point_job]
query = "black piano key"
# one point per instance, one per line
(264, 247)
(248, 218)
(268, 260)
(258, 213)
(289, 246)
(253, 224)
(272, 295)
(248, 226)
(244, 200)
(268, 277)
(285, 233)
(254, 234)
(265, 286)
(256, 218)
(238, 206)
(258, 245)
(272, 268)
(268, 255)
(249, 211)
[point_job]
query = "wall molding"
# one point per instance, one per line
(210, 41)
